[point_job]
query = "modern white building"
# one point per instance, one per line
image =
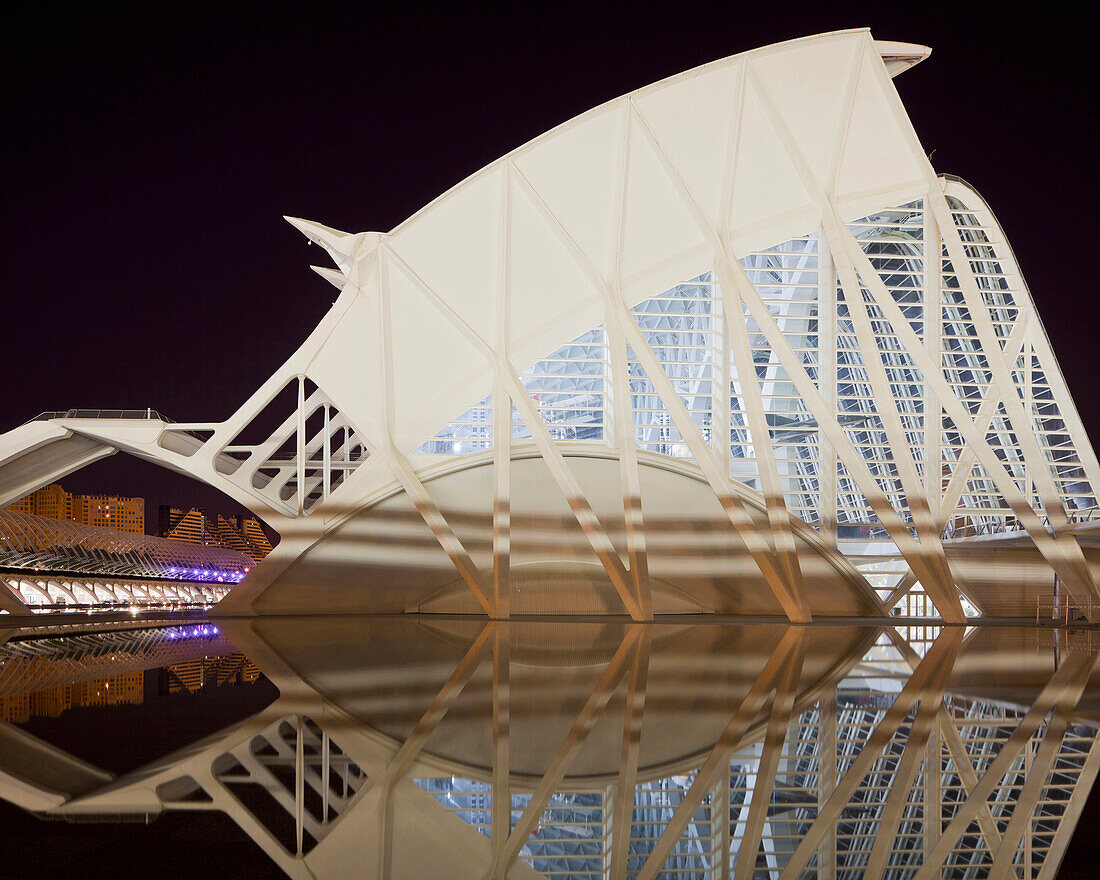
(728, 343)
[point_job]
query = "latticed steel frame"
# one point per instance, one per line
(53, 564)
(880, 374)
(31, 542)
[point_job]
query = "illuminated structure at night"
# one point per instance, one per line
(109, 511)
(729, 341)
(244, 534)
(47, 562)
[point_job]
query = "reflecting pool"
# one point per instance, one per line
(448, 746)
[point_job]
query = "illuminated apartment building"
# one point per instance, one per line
(109, 511)
(126, 689)
(194, 675)
(185, 525)
(240, 533)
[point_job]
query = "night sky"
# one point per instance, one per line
(149, 156)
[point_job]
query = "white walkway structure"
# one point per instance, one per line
(727, 343)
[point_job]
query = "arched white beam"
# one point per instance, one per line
(10, 598)
(41, 452)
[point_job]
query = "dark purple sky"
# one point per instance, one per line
(149, 156)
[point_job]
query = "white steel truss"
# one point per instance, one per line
(32, 591)
(751, 267)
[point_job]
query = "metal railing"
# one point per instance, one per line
(99, 414)
(1067, 610)
(965, 527)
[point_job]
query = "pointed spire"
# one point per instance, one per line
(336, 279)
(340, 245)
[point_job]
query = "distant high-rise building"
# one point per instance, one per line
(125, 689)
(240, 533)
(185, 525)
(254, 534)
(109, 511)
(193, 675)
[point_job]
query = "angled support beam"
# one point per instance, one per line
(502, 419)
(1000, 368)
(1061, 695)
(628, 464)
(984, 418)
(1063, 552)
(788, 653)
(502, 500)
(779, 720)
(574, 495)
(634, 598)
(439, 706)
(441, 529)
(10, 598)
(931, 704)
(1040, 348)
(704, 456)
(559, 764)
(779, 518)
(853, 462)
(1034, 783)
(941, 584)
(634, 709)
(785, 579)
(225, 800)
(936, 664)
(622, 402)
(948, 735)
(403, 760)
(1077, 800)
(400, 465)
(905, 585)
(927, 562)
(792, 601)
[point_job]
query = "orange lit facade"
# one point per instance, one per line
(240, 533)
(127, 689)
(109, 511)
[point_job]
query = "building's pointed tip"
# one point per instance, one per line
(334, 277)
(339, 244)
(899, 57)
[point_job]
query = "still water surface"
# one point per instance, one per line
(441, 746)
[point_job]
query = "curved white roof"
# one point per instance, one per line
(630, 194)
(751, 265)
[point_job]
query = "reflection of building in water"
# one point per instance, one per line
(30, 665)
(124, 689)
(893, 809)
(127, 689)
(196, 674)
(793, 751)
(109, 511)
